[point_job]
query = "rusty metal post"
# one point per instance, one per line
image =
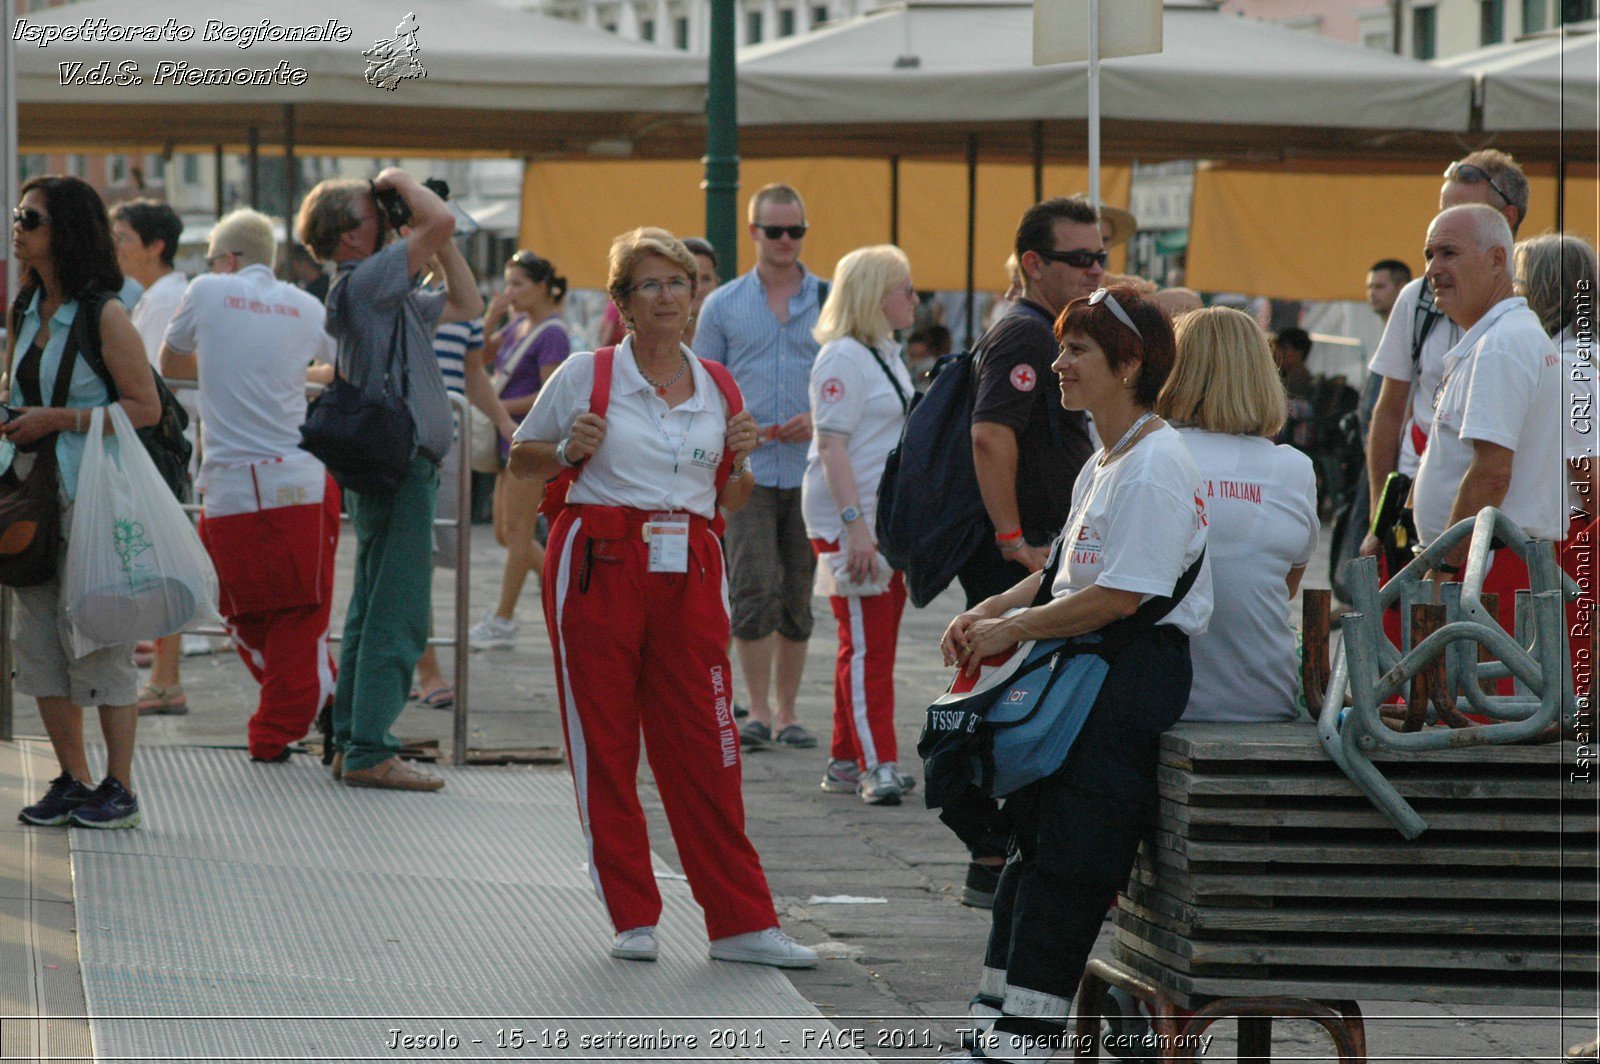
(1315, 609)
(1428, 686)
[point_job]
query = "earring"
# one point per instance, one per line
(1124, 380)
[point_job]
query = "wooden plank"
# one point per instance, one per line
(1540, 990)
(1432, 851)
(1191, 920)
(1196, 955)
(1451, 785)
(1203, 886)
(1341, 817)
(1297, 741)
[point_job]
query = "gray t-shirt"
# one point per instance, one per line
(371, 304)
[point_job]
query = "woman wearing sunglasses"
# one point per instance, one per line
(62, 240)
(525, 339)
(860, 394)
(1136, 531)
(1227, 400)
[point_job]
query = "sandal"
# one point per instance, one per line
(441, 697)
(158, 701)
(796, 737)
(754, 735)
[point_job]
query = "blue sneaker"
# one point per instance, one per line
(110, 806)
(65, 794)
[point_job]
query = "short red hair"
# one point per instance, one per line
(1154, 344)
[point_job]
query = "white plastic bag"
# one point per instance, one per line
(135, 566)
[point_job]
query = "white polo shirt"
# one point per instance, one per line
(852, 397)
(1393, 360)
(1261, 509)
(153, 312)
(653, 457)
(1578, 427)
(253, 336)
(1502, 385)
(1136, 525)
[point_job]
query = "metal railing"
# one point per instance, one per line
(462, 525)
(1371, 670)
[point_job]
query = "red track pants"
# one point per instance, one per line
(863, 673)
(640, 649)
(280, 555)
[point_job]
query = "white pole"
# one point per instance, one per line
(1094, 101)
(9, 180)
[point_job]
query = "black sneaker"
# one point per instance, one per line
(65, 794)
(110, 806)
(982, 881)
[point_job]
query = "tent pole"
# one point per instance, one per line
(291, 172)
(1038, 162)
(894, 199)
(722, 141)
(255, 168)
(1094, 102)
(1561, 194)
(216, 183)
(11, 179)
(972, 226)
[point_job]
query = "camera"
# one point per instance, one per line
(398, 213)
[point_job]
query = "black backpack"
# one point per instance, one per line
(169, 448)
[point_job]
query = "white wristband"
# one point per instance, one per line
(561, 453)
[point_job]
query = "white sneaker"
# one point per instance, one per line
(493, 633)
(636, 944)
(771, 946)
(881, 786)
(194, 645)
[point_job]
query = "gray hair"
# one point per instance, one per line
(1489, 226)
(1558, 274)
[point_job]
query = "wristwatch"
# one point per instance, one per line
(849, 513)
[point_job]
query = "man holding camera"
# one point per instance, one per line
(380, 320)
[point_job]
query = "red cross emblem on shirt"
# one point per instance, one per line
(1023, 378)
(832, 390)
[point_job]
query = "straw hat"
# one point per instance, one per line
(1123, 225)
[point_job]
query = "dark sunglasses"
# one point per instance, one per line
(1468, 174)
(27, 219)
(793, 232)
(1079, 259)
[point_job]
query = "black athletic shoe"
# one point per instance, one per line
(110, 806)
(65, 795)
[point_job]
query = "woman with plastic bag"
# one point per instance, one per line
(1136, 534)
(860, 394)
(62, 240)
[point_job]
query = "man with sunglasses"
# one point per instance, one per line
(1410, 357)
(1027, 450)
(759, 325)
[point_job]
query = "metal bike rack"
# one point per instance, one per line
(463, 526)
(1371, 669)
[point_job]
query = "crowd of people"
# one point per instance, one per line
(681, 493)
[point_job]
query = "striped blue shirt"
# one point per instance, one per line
(451, 342)
(770, 361)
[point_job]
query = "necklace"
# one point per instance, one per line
(662, 386)
(1127, 438)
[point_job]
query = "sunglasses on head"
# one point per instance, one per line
(1079, 259)
(1468, 174)
(536, 268)
(27, 219)
(1102, 295)
(774, 232)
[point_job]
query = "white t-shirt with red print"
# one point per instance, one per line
(1136, 524)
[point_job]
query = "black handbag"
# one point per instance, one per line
(366, 437)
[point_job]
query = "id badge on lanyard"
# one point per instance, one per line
(668, 536)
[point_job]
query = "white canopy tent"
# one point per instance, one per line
(1548, 82)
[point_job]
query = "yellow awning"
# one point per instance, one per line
(1311, 232)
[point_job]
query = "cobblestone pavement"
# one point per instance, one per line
(914, 955)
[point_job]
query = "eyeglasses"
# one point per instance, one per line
(27, 219)
(676, 286)
(1468, 174)
(774, 232)
(1103, 295)
(1078, 259)
(212, 260)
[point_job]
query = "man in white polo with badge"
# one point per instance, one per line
(1496, 437)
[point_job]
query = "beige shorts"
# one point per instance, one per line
(41, 646)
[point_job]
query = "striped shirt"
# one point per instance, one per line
(770, 361)
(451, 342)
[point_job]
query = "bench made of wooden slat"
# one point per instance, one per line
(1256, 882)
(1429, 850)
(1196, 744)
(1452, 784)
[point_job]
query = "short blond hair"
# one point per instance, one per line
(636, 245)
(329, 212)
(855, 303)
(1224, 379)
(774, 193)
(248, 234)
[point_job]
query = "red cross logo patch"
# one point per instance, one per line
(1023, 378)
(832, 390)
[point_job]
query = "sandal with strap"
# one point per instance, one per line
(156, 700)
(443, 697)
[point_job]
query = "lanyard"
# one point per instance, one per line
(1127, 438)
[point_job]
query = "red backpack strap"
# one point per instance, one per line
(735, 402)
(555, 489)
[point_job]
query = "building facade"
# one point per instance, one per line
(1423, 29)
(682, 24)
